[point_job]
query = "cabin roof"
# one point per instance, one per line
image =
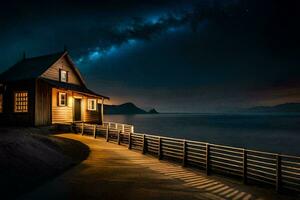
(34, 67)
(30, 68)
(72, 87)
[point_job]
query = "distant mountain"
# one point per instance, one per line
(287, 107)
(153, 111)
(127, 109)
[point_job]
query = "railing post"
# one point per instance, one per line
(159, 149)
(278, 173)
(144, 144)
(207, 158)
(94, 131)
(129, 141)
(119, 137)
(71, 128)
(82, 128)
(245, 166)
(107, 133)
(184, 153)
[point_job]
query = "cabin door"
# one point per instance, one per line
(77, 110)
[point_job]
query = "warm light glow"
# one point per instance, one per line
(92, 104)
(21, 101)
(63, 76)
(70, 101)
(62, 101)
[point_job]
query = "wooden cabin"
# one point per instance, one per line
(46, 90)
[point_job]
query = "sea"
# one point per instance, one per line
(278, 133)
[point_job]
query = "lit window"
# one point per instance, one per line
(62, 99)
(1, 103)
(21, 102)
(63, 76)
(92, 104)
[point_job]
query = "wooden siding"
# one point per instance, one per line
(63, 114)
(43, 103)
(8, 116)
(53, 72)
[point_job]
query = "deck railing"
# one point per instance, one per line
(280, 171)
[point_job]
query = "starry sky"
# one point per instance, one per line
(175, 56)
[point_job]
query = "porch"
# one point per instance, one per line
(70, 106)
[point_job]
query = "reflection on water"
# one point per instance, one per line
(275, 133)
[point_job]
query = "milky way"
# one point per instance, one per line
(176, 56)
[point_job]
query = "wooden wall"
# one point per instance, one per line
(61, 114)
(43, 103)
(53, 72)
(8, 116)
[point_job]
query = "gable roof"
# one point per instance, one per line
(31, 68)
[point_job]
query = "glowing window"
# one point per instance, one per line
(63, 76)
(92, 104)
(62, 99)
(21, 102)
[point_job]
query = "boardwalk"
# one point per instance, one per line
(114, 172)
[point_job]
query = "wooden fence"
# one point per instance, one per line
(280, 171)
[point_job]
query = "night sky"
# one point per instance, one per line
(175, 56)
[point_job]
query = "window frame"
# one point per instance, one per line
(89, 108)
(60, 94)
(61, 71)
(21, 101)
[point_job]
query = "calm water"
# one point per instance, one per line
(275, 133)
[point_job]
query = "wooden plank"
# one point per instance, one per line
(119, 137)
(273, 175)
(245, 166)
(159, 149)
(144, 145)
(262, 162)
(227, 155)
(94, 131)
(226, 159)
(223, 163)
(278, 173)
(260, 157)
(261, 178)
(129, 141)
(226, 150)
(107, 133)
(82, 128)
(207, 159)
(197, 157)
(184, 153)
(262, 167)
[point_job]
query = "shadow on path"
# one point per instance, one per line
(113, 172)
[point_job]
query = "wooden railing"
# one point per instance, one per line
(280, 171)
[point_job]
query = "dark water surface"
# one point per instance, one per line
(274, 133)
